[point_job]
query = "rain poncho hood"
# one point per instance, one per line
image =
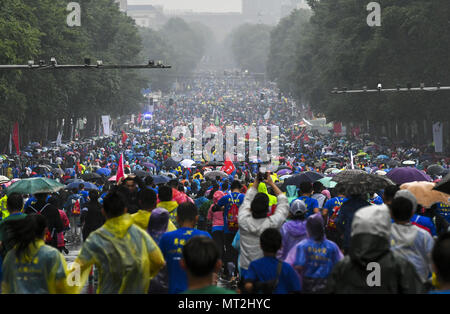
(158, 223)
(262, 188)
(41, 269)
(370, 235)
(291, 192)
(315, 227)
(126, 256)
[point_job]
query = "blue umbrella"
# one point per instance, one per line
(104, 171)
(160, 179)
(87, 185)
(382, 157)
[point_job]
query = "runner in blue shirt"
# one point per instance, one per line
(235, 197)
(424, 223)
(269, 268)
(172, 243)
(312, 204)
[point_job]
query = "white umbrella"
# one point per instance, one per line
(409, 162)
(3, 179)
(187, 163)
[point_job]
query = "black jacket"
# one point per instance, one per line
(350, 275)
(92, 218)
(51, 213)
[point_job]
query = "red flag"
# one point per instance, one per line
(124, 137)
(120, 169)
(139, 118)
(228, 166)
(16, 137)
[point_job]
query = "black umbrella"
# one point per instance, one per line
(435, 170)
(426, 163)
(444, 185)
(170, 163)
(394, 163)
(141, 173)
(348, 174)
(91, 176)
(362, 183)
(297, 179)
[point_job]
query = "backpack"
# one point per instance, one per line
(76, 208)
(232, 216)
(216, 208)
(268, 287)
(331, 224)
(48, 234)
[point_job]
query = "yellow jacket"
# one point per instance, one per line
(126, 256)
(142, 217)
(3, 207)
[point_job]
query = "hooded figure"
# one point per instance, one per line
(371, 266)
(158, 223)
(316, 256)
(293, 231)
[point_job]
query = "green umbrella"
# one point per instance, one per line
(327, 182)
(34, 186)
(112, 144)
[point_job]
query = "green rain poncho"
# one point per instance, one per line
(126, 256)
(41, 269)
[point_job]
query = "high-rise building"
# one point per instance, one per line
(287, 6)
(147, 15)
(123, 4)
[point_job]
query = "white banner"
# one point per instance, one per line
(59, 139)
(437, 137)
(106, 128)
(10, 143)
(351, 159)
(267, 115)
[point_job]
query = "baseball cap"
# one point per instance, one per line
(298, 207)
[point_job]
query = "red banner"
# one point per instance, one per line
(16, 137)
(228, 167)
(337, 127)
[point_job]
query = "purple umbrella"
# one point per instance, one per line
(284, 172)
(407, 174)
(149, 165)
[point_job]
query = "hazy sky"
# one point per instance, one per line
(195, 5)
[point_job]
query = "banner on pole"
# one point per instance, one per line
(106, 126)
(438, 137)
(16, 137)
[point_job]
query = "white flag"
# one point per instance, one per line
(437, 137)
(351, 158)
(267, 115)
(10, 143)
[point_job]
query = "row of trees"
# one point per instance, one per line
(47, 102)
(41, 100)
(335, 47)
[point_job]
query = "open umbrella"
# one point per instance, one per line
(407, 174)
(424, 193)
(170, 163)
(3, 179)
(87, 185)
(104, 172)
(347, 175)
(149, 165)
(141, 173)
(382, 157)
(363, 183)
(214, 174)
(394, 163)
(328, 182)
(91, 176)
(34, 186)
(187, 163)
(283, 172)
(444, 185)
(409, 163)
(282, 168)
(297, 179)
(160, 179)
(435, 170)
